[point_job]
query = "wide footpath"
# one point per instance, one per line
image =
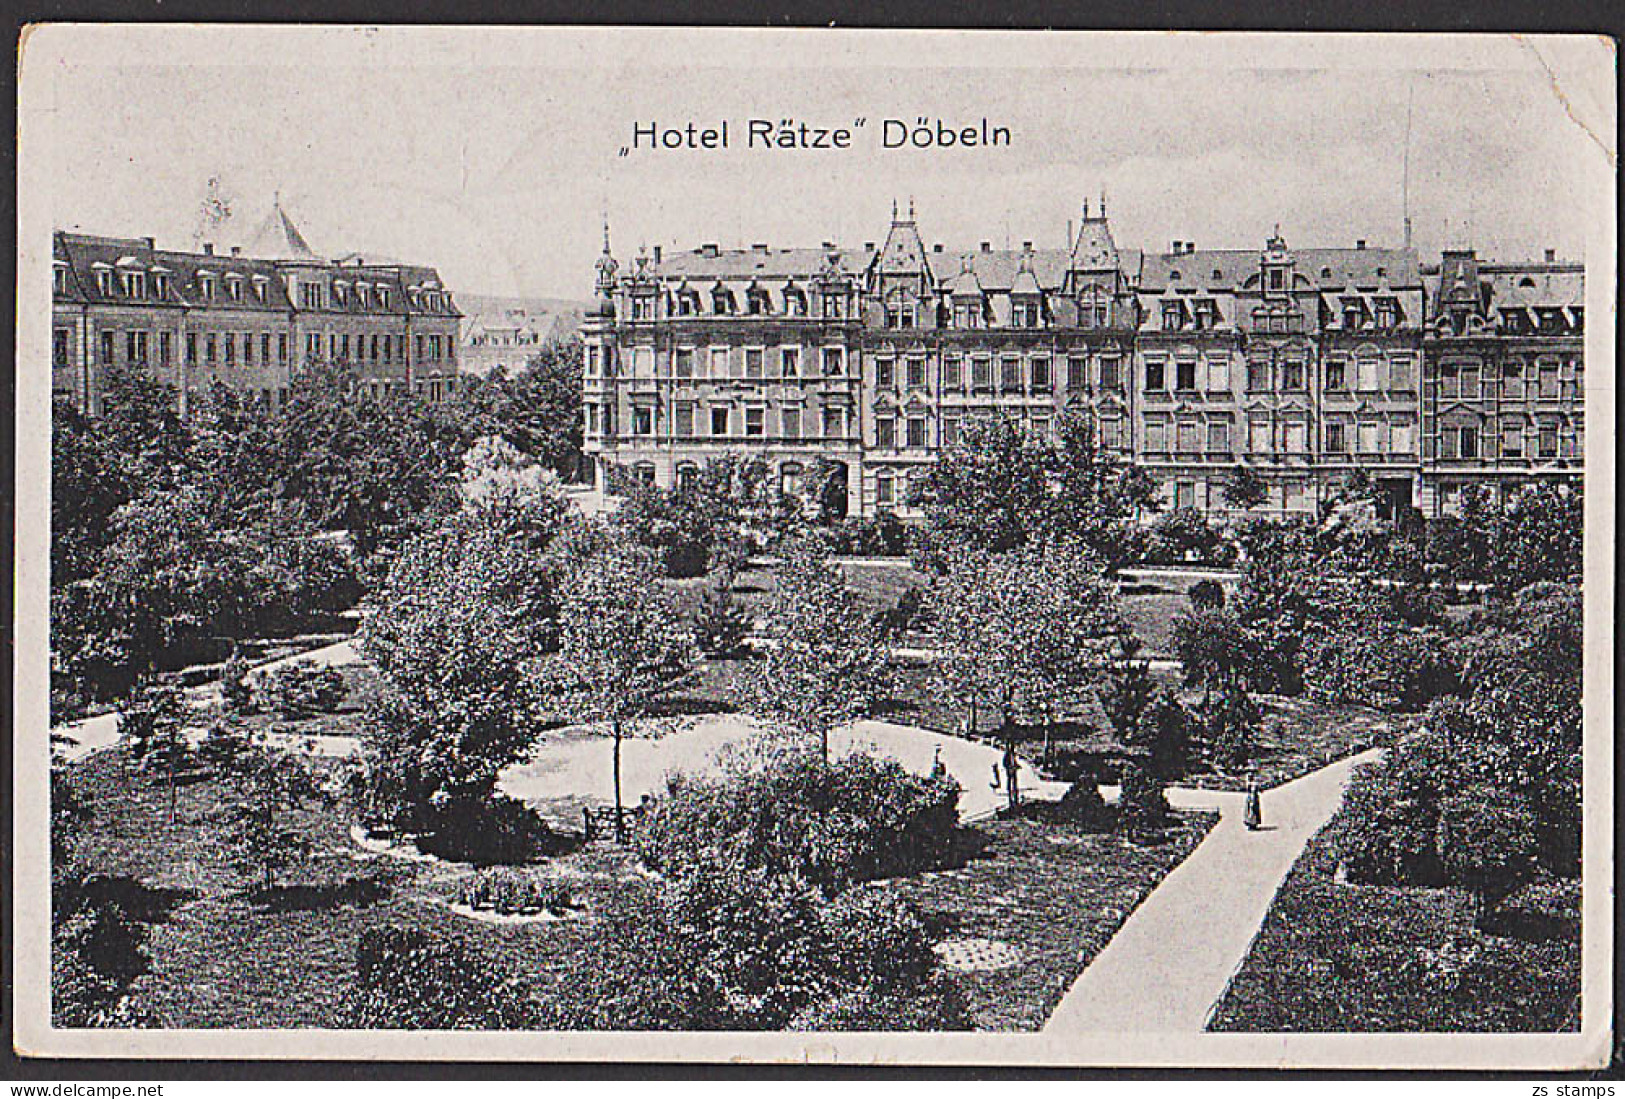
(1170, 963)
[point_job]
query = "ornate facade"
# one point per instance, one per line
(1302, 365)
(192, 319)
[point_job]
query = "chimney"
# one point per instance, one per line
(208, 248)
(1179, 247)
(868, 246)
(150, 243)
(762, 248)
(1190, 246)
(710, 251)
(1026, 246)
(987, 246)
(936, 248)
(657, 253)
(1551, 255)
(236, 250)
(1359, 245)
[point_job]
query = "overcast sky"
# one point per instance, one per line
(493, 154)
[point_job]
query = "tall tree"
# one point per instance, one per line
(825, 664)
(1026, 630)
(623, 646)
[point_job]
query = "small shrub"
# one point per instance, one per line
(1083, 807)
(1206, 595)
(1143, 804)
(300, 688)
(486, 831)
(222, 746)
(236, 693)
(721, 626)
(513, 893)
(409, 980)
(907, 613)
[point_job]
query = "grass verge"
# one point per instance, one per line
(1337, 957)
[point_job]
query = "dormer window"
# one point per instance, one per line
(1387, 313)
(1025, 314)
(259, 288)
(795, 302)
(104, 281)
(835, 305)
(1207, 314)
(1173, 316)
(722, 302)
(234, 288)
(59, 278)
(1277, 279)
(135, 284)
(383, 297)
(205, 286)
(160, 283)
(1353, 315)
(1325, 274)
(758, 303)
(341, 291)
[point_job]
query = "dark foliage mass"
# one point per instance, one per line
(171, 538)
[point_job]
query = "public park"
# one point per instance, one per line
(365, 715)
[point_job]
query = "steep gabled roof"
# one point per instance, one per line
(278, 238)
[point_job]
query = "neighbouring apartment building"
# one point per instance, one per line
(1303, 365)
(246, 319)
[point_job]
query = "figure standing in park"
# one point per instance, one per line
(1254, 815)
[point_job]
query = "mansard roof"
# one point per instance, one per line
(1228, 269)
(746, 263)
(996, 269)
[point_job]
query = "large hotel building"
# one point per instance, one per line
(1302, 364)
(246, 318)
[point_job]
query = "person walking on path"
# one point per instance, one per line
(1254, 816)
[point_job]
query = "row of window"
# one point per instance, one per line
(723, 303)
(248, 348)
(720, 421)
(1514, 441)
(1471, 380)
(1281, 437)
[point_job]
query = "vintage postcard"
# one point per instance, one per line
(861, 547)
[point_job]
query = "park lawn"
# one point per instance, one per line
(1338, 957)
(877, 585)
(1296, 735)
(1053, 892)
(1150, 618)
(226, 954)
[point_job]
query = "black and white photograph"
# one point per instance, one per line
(857, 546)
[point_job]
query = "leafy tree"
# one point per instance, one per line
(536, 410)
(1206, 595)
(826, 664)
(1026, 630)
(999, 487)
(152, 722)
(270, 784)
(622, 648)
(362, 463)
(1244, 488)
(989, 490)
(459, 636)
(1155, 726)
